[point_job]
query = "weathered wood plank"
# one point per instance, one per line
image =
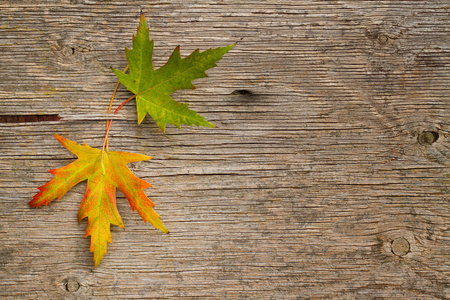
(326, 182)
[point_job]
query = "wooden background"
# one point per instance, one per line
(327, 176)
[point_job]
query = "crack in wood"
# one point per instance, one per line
(28, 118)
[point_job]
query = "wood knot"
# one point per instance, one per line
(427, 137)
(72, 285)
(382, 38)
(400, 246)
(68, 51)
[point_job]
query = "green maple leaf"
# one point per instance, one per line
(153, 88)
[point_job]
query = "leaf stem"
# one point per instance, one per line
(125, 102)
(108, 122)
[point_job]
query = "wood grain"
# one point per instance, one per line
(319, 182)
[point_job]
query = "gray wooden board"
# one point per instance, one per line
(313, 187)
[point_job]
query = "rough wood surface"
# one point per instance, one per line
(327, 182)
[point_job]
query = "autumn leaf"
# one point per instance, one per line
(99, 204)
(104, 170)
(153, 88)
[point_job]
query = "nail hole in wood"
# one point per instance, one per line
(72, 285)
(427, 137)
(242, 92)
(400, 246)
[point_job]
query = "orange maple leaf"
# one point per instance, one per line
(105, 171)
